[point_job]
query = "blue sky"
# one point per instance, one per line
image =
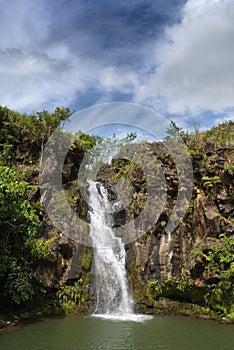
(174, 56)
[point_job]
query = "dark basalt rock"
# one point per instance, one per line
(65, 248)
(155, 256)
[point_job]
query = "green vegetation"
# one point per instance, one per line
(174, 131)
(222, 134)
(217, 296)
(86, 261)
(70, 297)
(22, 137)
(27, 241)
(23, 244)
(220, 264)
(19, 222)
(210, 181)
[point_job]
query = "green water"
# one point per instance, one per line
(87, 333)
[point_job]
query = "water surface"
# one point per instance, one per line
(92, 333)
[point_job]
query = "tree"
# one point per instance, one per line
(25, 135)
(19, 223)
(173, 131)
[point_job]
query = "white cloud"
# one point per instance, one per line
(41, 69)
(35, 80)
(23, 23)
(228, 118)
(195, 67)
(37, 71)
(122, 80)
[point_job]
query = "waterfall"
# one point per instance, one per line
(113, 300)
(111, 286)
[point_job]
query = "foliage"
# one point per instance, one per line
(19, 223)
(25, 135)
(40, 248)
(72, 297)
(18, 214)
(72, 294)
(173, 131)
(14, 277)
(229, 167)
(86, 261)
(210, 181)
(172, 286)
(22, 139)
(18, 285)
(86, 141)
(218, 136)
(197, 254)
(220, 266)
(219, 293)
(223, 134)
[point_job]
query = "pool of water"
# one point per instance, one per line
(95, 333)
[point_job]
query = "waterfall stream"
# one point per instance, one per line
(112, 296)
(113, 299)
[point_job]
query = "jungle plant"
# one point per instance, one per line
(220, 266)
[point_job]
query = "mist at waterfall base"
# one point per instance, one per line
(113, 300)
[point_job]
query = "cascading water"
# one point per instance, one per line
(113, 300)
(112, 296)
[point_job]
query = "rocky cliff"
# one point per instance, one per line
(160, 266)
(46, 272)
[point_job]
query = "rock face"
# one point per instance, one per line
(64, 266)
(157, 256)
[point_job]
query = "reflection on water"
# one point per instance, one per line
(93, 333)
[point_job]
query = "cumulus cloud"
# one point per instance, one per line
(53, 52)
(34, 80)
(124, 80)
(195, 65)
